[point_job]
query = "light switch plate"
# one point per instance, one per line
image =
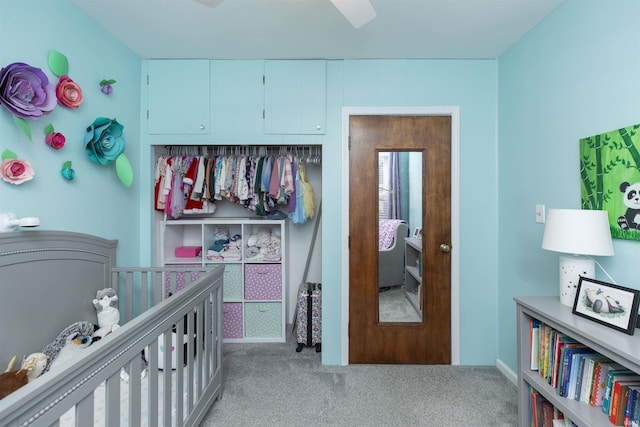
(540, 214)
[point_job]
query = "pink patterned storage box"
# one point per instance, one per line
(232, 323)
(188, 251)
(263, 282)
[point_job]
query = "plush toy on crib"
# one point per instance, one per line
(106, 304)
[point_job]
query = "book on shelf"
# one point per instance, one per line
(631, 405)
(534, 340)
(587, 376)
(558, 361)
(576, 371)
(614, 376)
(619, 397)
(600, 374)
(564, 376)
(635, 415)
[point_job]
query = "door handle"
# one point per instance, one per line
(445, 248)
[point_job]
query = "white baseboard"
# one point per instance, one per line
(507, 372)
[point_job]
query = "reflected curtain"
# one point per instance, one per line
(390, 194)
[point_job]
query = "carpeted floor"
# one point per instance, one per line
(395, 307)
(272, 385)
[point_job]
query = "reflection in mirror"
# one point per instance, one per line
(400, 238)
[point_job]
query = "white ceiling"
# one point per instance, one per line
(303, 29)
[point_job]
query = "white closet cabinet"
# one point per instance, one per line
(254, 286)
(295, 97)
(178, 97)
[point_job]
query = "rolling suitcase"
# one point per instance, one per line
(309, 316)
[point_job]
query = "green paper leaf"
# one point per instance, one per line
(66, 164)
(22, 124)
(124, 170)
(105, 82)
(48, 129)
(58, 63)
(8, 154)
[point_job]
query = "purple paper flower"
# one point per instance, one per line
(106, 86)
(104, 140)
(26, 92)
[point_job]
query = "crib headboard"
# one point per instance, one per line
(47, 282)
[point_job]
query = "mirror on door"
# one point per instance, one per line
(400, 236)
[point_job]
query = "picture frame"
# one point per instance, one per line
(608, 304)
(417, 233)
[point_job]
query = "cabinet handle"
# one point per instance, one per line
(201, 127)
(318, 127)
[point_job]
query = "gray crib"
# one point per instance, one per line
(48, 280)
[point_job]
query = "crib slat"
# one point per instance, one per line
(180, 369)
(112, 401)
(129, 301)
(144, 292)
(135, 386)
(84, 411)
(153, 404)
(190, 362)
(157, 287)
(167, 383)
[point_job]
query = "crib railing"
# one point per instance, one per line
(172, 397)
(141, 288)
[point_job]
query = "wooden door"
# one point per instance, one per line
(428, 341)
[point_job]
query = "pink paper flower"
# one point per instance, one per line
(55, 140)
(15, 171)
(68, 93)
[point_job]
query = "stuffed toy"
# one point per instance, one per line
(35, 364)
(78, 334)
(11, 381)
(106, 304)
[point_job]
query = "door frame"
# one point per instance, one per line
(454, 113)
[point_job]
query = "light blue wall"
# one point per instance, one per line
(575, 75)
(96, 202)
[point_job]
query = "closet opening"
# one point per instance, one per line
(236, 201)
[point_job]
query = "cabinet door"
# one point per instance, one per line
(238, 102)
(178, 97)
(294, 97)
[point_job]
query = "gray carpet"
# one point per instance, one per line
(272, 385)
(395, 307)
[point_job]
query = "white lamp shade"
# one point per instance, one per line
(578, 232)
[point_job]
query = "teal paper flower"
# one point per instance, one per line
(104, 143)
(104, 140)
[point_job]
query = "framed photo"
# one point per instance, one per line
(608, 304)
(417, 233)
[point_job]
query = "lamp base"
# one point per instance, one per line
(571, 268)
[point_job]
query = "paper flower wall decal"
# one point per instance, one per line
(54, 139)
(104, 143)
(68, 92)
(106, 86)
(26, 92)
(67, 171)
(13, 170)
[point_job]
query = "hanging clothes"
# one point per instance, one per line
(186, 184)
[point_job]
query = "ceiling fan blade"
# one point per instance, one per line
(209, 3)
(358, 12)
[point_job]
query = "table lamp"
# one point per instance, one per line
(579, 234)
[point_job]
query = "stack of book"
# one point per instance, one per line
(577, 372)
